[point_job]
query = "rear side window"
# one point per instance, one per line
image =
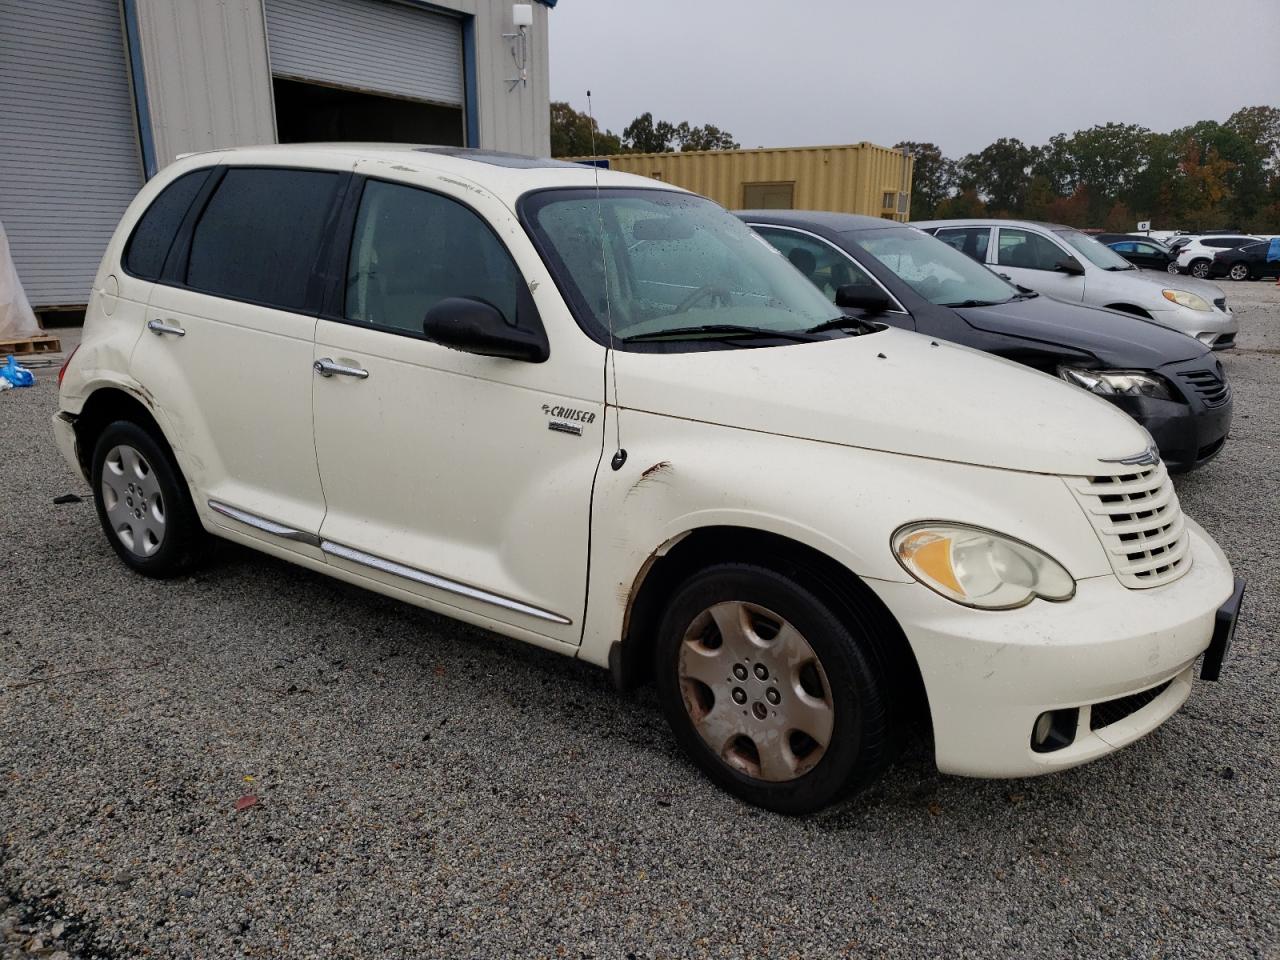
(968, 240)
(1030, 251)
(153, 236)
(413, 248)
(260, 235)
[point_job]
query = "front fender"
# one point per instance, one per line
(845, 502)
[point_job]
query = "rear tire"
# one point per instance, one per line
(1239, 271)
(1199, 269)
(143, 502)
(768, 691)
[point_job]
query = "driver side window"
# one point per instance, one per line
(1030, 251)
(825, 267)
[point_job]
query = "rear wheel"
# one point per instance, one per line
(1199, 269)
(1239, 271)
(143, 503)
(768, 691)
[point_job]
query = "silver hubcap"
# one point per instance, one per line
(755, 690)
(131, 495)
(1200, 271)
(1239, 272)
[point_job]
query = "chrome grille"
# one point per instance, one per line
(1139, 521)
(1212, 389)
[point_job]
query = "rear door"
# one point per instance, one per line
(1031, 259)
(228, 352)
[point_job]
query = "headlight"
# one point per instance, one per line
(1184, 299)
(1119, 383)
(979, 568)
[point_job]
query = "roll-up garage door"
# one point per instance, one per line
(374, 46)
(69, 158)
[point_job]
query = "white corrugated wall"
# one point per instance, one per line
(69, 157)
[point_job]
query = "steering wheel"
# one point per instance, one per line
(716, 294)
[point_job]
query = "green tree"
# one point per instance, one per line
(707, 137)
(1000, 173)
(963, 205)
(643, 135)
(932, 178)
(1259, 125)
(571, 134)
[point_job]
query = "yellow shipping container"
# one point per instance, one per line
(854, 178)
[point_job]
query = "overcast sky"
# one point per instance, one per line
(960, 73)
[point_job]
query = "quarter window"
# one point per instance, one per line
(972, 241)
(260, 235)
(145, 253)
(413, 248)
(1030, 251)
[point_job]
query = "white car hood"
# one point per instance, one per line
(893, 391)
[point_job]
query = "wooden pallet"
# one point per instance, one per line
(30, 345)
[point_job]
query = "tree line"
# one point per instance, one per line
(573, 133)
(1205, 176)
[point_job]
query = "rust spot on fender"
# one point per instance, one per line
(650, 475)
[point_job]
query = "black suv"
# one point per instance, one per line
(1170, 383)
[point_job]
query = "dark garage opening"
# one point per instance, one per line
(309, 112)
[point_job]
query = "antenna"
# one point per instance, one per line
(619, 454)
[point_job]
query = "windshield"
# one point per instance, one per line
(935, 270)
(658, 261)
(1094, 251)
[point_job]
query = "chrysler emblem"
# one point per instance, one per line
(1147, 458)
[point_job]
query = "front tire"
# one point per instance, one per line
(143, 502)
(1199, 269)
(768, 691)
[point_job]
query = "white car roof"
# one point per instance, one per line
(506, 175)
(990, 222)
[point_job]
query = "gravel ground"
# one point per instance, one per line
(425, 789)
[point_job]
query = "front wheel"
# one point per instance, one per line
(770, 693)
(1239, 271)
(143, 503)
(1200, 269)
(1172, 266)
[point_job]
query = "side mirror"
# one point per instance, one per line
(474, 326)
(857, 296)
(1070, 266)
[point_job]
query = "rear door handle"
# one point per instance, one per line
(327, 368)
(160, 327)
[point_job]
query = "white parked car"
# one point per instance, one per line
(393, 366)
(1196, 256)
(1062, 262)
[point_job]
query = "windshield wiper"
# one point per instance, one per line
(844, 323)
(974, 303)
(717, 330)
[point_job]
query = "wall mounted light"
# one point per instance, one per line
(521, 20)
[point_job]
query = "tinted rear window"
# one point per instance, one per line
(153, 236)
(260, 235)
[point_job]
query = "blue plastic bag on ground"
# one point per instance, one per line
(16, 375)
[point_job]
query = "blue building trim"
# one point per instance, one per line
(470, 94)
(142, 109)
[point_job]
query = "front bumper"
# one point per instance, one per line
(1215, 328)
(990, 674)
(1188, 435)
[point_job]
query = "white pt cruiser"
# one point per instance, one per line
(604, 417)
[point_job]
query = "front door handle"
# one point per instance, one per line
(160, 328)
(327, 368)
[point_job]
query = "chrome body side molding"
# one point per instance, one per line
(263, 524)
(440, 583)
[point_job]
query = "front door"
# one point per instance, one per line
(228, 350)
(463, 479)
(1031, 259)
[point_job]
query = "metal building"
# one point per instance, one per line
(97, 95)
(855, 178)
